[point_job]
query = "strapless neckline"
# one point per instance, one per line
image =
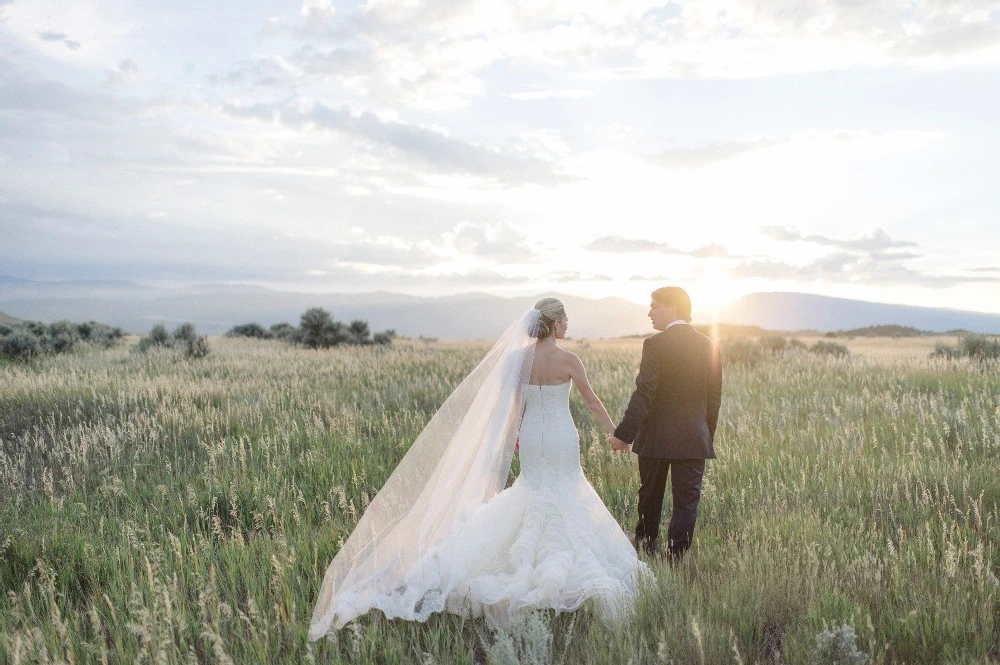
(547, 385)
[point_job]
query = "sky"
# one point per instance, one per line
(588, 147)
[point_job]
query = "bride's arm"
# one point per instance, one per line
(590, 398)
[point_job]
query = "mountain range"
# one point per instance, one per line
(804, 311)
(216, 308)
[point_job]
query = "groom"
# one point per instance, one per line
(670, 420)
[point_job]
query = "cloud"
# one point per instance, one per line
(709, 152)
(23, 93)
(463, 280)
(711, 251)
(565, 93)
(893, 255)
(753, 38)
(432, 75)
(263, 71)
(60, 37)
(451, 191)
(79, 245)
(435, 55)
(663, 279)
(126, 72)
(875, 241)
(155, 246)
(87, 131)
(784, 233)
(572, 276)
(321, 10)
(620, 245)
(500, 242)
(797, 144)
(949, 36)
(430, 146)
(126, 161)
(852, 269)
(385, 252)
(874, 257)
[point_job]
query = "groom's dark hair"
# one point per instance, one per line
(677, 298)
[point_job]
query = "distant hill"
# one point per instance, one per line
(6, 320)
(803, 311)
(214, 309)
(885, 331)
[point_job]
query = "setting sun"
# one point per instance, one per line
(713, 290)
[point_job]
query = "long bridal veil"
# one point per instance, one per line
(458, 462)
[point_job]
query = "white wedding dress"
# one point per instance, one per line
(444, 535)
(545, 542)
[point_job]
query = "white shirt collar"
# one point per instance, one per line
(675, 323)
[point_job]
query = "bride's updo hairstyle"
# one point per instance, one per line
(552, 310)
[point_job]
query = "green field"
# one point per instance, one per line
(160, 509)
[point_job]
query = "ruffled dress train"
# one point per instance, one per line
(545, 542)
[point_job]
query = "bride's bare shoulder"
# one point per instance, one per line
(570, 359)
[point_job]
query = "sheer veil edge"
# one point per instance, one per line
(459, 461)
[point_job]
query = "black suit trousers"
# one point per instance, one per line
(685, 490)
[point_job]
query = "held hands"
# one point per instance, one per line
(617, 444)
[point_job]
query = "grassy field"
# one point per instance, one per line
(886, 348)
(158, 509)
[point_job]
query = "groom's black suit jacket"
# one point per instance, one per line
(675, 407)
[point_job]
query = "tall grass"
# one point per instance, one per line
(156, 508)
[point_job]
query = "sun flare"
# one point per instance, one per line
(711, 292)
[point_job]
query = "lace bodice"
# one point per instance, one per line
(549, 442)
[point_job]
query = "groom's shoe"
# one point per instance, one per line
(650, 551)
(676, 550)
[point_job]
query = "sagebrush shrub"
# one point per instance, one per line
(60, 342)
(20, 345)
(284, 331)
(980, 347)
(974, 347)
(838, 646)
(773, 344)
(159, 335)
(742, 351)
(185, 332)
(825, 348)
(749, 351)
(252, 330)
(100, 333)
(60, 336)
(527, 641)
(359, 332)
(942, 350)
(196, 347)
(319, 330)
(63, 328)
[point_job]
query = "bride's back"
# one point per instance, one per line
(551, 365)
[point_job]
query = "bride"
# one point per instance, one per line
(444, 535)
